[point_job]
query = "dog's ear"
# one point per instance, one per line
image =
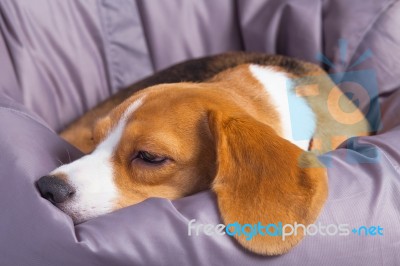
(264, 178)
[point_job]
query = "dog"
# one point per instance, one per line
(222, 122)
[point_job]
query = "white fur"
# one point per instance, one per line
(279, 87)
(92, 175)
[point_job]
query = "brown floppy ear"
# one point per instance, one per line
(264, 178)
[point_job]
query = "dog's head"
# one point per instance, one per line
(174, 140)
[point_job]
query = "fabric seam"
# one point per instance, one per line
(25, 115)
(108, 50)
(383, 11)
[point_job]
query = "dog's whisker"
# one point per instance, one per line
(61, 163)
(69, 155)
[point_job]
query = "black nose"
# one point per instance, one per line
(55, 189)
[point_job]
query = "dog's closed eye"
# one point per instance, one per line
(150, 158)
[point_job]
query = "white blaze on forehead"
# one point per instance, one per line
(279, 87)
(115, 135)
(92, 175)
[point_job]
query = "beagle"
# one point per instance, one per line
(248, 126)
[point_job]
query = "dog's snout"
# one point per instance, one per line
(55, 189)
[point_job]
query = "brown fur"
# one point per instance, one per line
(264, 181)
(79, 132)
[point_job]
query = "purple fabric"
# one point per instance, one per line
(59, 58)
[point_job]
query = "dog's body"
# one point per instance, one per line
(222, 122)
